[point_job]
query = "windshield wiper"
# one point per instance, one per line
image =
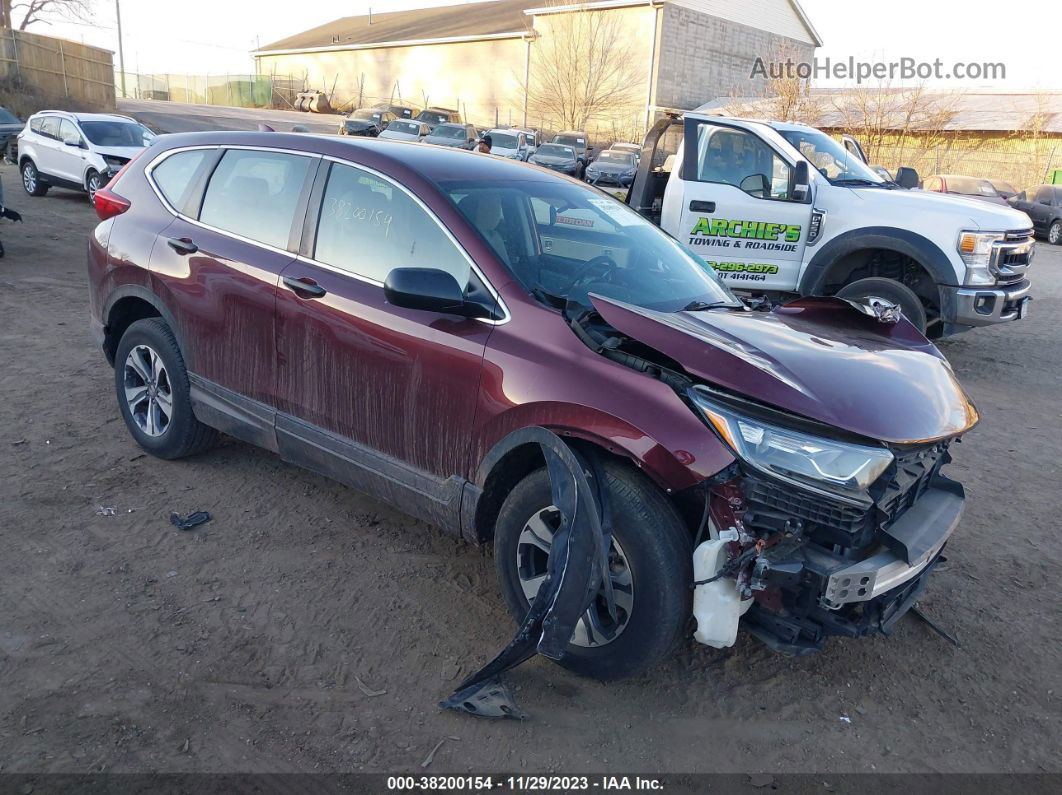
(698, 306)
(857, 181)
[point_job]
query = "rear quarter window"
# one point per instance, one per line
(254, 194)
(173, 176)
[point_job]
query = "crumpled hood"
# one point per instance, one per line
(816, 357)
(128, 152)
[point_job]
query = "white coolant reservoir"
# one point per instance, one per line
(716, 605)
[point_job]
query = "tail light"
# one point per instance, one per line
(109, 204)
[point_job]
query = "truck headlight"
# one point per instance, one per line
(975, 249)
(841, 468)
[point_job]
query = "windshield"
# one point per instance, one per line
(7, 117)
(619, 158)
(576, 141)
(117, 133)
(968, 186)
(448, 132)
(373, 115)
(835, 162)
(502, 140)
(432, 117)
(564, 242)
(410, 127)
(554, 150)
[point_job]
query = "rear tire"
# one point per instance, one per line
(656, 550)
(910, 304)
(31, 179)
(1054, 233)
(151, 384)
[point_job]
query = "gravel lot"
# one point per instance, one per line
(308, 628)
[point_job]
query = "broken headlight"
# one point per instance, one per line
(840, 468)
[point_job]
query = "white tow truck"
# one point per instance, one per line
(783, 209)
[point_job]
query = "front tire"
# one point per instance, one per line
(93, 182)
(151, 384)
(650, 564)
(31, 179)
(1054, 233)
(910, 304)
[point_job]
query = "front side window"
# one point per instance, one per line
(737, 157)
(254, 194)
(368, 227)
(564, 242)
(117, 133)
(173, 176)
(68, 132)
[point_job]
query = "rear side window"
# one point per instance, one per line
(50, 127)
(35, 125)
(368, 226)
(254, 194)
(173, 176)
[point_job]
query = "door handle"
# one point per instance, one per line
(304, 286)
(702, 207)
(182, 245)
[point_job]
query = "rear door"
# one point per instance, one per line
(46, 147)
(221, 259)
(732, 206)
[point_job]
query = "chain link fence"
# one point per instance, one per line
(232, 90)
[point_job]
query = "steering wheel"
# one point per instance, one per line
(597, 269)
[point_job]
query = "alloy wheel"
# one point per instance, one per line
(29, 178)
(1054, 234)
(596, 628)
(148, 392)
(93, 185)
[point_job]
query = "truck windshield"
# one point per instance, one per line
(502, 140)
(835, 162)
(564, 242)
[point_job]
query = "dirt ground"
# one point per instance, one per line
(308, 628)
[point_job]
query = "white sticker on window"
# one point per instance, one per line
(615, 211)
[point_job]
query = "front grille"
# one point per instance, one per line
(1011, 257)
(809, 508)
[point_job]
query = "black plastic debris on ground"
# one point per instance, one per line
(576, 570)
(190, 521)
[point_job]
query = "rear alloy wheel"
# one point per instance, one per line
(876, 289)
(31, 180)
(92, 184)
(1054, 234)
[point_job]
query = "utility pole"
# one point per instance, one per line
(121, 54)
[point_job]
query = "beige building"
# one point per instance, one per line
(478, 57)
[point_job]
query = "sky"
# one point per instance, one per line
(217, 36)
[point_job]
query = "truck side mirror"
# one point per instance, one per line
(801, 184)
(907, 177)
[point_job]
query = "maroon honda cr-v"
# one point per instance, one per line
(402, 317)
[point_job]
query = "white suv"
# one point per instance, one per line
(80, 151)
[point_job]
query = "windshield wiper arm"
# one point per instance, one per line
(698, 306)
(857, 181)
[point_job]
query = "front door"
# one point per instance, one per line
(70, 157)
(732, 206)
(377, 378)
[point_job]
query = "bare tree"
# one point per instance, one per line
(784, 95)
(581, 70)
(43, 11)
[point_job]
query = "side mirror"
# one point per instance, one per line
(801, 185)
(907, 177)
(430, 290)
(72, 140)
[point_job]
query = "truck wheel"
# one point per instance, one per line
(1054, 234)
(910, 304)
(31, 180)
(153, 395)
(650, 562)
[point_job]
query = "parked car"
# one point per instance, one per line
(406, 130)
(579, 141)
(781, 209)
(558, 158)
(1004, 188)
(79, 151)
(620, 146)
(1043, 205)
(967, 187)
(509, 143)
(367, 122)
(436, 116)
(10, 127)
(613, 167)
(401, 111)
(333, 331)
(463, 136)
(531, 136)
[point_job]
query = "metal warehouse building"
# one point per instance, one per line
(478, 57)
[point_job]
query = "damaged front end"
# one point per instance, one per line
(813, 533)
